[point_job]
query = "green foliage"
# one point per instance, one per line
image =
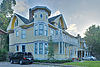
(93, 40)
(51, 50)
(6, 6)
(3, 54)
(52, 61)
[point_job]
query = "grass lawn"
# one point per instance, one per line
(85, 63)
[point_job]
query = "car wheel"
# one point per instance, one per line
(21, 62)
(11, 61)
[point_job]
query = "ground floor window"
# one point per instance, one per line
(17, 47)
(41, 48)
(46, 48)
(23, 48)
(36, 48)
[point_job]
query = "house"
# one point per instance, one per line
(33, 35)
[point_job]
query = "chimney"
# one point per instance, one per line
(30, 15)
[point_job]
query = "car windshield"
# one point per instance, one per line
(28, 55)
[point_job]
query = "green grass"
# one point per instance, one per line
(85, 63)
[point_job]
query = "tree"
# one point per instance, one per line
(51, 49)
(92, 37)
(5, 9)
(6, 6)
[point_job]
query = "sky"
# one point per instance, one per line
(78, 14)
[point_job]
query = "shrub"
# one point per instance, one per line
(3, 54)
(52, 61)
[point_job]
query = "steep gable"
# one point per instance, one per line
(56, 20)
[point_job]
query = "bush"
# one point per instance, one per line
(3, 54)
(52, 61)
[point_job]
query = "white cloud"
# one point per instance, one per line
(21, 7)
(54, 14)
(72, 29)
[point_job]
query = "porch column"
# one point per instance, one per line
(58, 47)
(62, 48)
(84, 53)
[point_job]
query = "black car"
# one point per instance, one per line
(21, 58)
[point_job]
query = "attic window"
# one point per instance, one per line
(16, 22)
(41, 15)
(35, 16)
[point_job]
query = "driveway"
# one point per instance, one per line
(7, 64)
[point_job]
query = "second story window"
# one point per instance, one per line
(17, 48)
(40, 29)
(23, 34)
(36, 30)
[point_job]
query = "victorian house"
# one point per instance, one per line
(33, 34)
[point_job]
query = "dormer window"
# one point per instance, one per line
(41, 15)
(16, 22)
(35, 16)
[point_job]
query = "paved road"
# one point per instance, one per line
(7, 64)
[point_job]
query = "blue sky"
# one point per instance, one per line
(78, 14)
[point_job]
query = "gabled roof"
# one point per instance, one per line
(53, 18)
(26, 21)
(2, 32)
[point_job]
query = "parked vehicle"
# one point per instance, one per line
(89, 58)
(21, 58)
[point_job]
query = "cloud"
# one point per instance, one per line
(21, 7)
(72, 29)
(54, 14)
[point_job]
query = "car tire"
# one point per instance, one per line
(11, 61)
(20, 62)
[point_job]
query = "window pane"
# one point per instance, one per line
(17, 48)
(40, 48)
(40, 26)
(40, 32)
(46, 48)
(36, 47)
(23, 48)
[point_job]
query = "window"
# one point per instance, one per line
(40, 48)
(17, 48)
(56, 32)
(35, 16)
(46, 31)
(41, 15)
(16, 33)
(46, 16)
(23, 48)
(36, 30)
(23, 34)
(36, 48)
(16, 22)
(40, 29)
(60, 47)
(46, 48)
